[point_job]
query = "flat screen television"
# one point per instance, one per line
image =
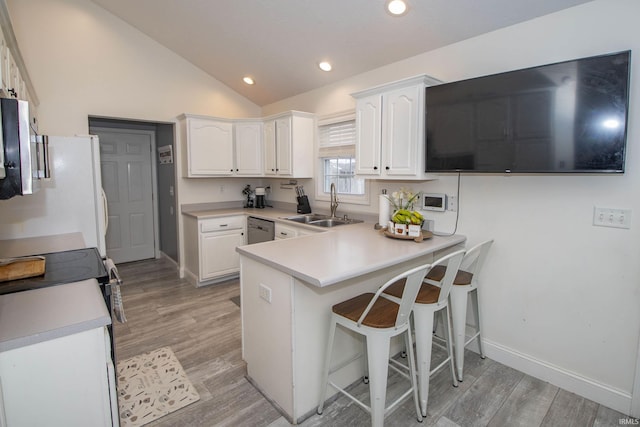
(569, 117)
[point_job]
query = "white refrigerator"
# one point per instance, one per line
(70, 201)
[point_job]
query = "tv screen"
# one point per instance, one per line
(557, 118)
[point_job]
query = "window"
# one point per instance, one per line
(341, 171)
(336, 153)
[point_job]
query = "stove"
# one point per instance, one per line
(63, 267)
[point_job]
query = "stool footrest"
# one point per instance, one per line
(350, 396)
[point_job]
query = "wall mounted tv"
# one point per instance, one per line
(569, 117)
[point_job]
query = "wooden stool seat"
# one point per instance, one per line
(462, 277)
(383, 314)
(428, 294)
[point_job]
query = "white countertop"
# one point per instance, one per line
(44, 314)
(345, 252)
(273, 214)
(337, 254)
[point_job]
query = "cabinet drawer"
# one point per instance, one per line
(283, 232)
(224, 223)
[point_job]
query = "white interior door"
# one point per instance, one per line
(127, 179)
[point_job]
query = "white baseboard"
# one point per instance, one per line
(570, 381)
(171, 260)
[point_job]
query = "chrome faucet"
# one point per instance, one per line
(334, 200)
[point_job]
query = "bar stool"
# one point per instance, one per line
(429, 301)
(465, 284)
(378, 319)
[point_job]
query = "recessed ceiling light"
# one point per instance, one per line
(397, 7)
(248, 80)
(325, 66)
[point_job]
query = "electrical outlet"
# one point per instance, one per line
(265, 292)
(608, 217)
(452, 203)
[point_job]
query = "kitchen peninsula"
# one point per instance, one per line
(287, 290)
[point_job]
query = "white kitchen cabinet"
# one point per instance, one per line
(286, 231)
(248, 148)
(210, 253)
(5, 72)
(289, 144)
(14, 78)
(390, 130)
(59, 382)
(209, 144)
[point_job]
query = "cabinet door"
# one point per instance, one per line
(248, 145)
(368, 136)
(269, 133)
(402, 119)
(218, 253)
(210, 147)
(4, 76)
(32, 378)
(284, 160)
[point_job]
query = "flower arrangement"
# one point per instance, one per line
(405, 221)
(403, 199)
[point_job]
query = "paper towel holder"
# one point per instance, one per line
(377, 225)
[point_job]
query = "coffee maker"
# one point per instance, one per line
(260, 192)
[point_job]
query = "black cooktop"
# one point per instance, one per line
(63, 267)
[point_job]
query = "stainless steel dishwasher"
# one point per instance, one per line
(259, 230)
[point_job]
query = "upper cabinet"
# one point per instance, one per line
(247, 136)
(390, 127)
(14, 79)
(280, 145)
(209, 146)
(289, 144)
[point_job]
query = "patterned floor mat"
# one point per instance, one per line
(152, 385)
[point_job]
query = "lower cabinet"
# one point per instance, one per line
(210, 251)
(67, 381)
(285, 232)
(289, 231)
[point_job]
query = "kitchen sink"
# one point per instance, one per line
(307, 218)
(322, 220)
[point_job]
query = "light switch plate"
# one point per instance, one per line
(610, 217)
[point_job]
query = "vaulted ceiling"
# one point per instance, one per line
(279, 43)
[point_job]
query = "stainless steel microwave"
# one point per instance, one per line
(23, 157)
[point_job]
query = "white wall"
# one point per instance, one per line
(560, 296)
(84, 61)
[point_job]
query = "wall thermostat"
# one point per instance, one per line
(434, 202)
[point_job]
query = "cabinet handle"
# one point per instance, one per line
(230, 170)
(224, 225)
(375, 168)
(387, 168)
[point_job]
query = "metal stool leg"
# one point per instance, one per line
(327, 364)
(378, 359)
(476, 313)
(424, 343)
(459, 298)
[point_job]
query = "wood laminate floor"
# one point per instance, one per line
(202, 327)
